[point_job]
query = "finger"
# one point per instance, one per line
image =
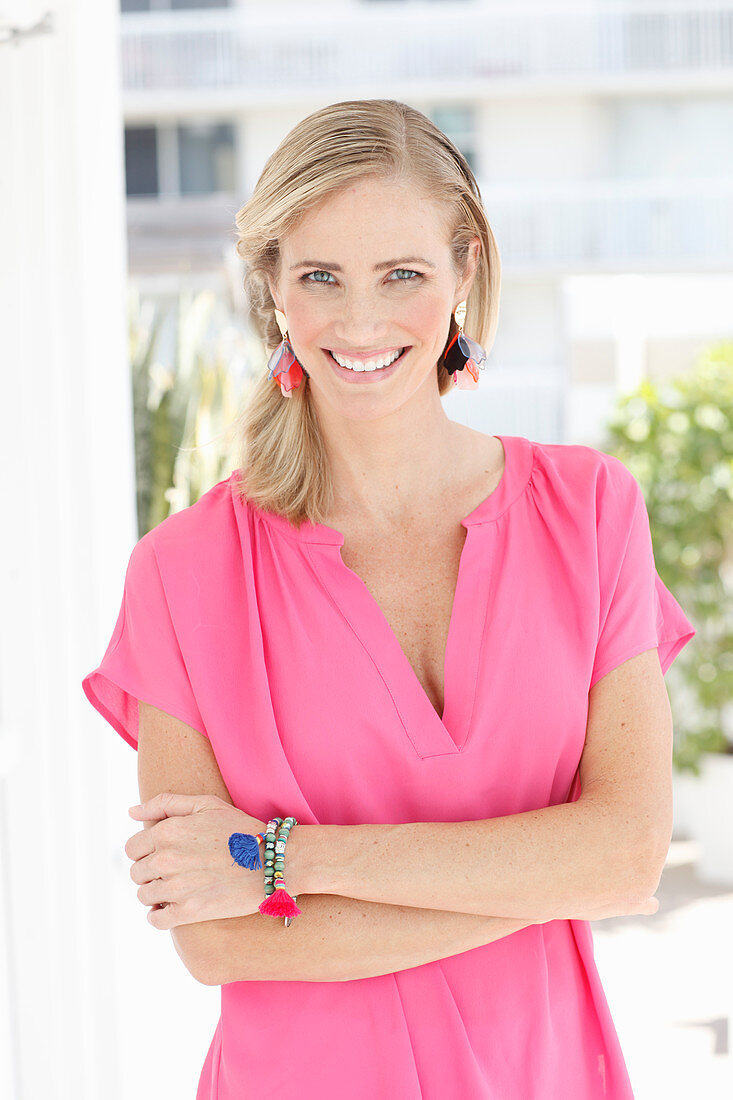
(143, 870)
(168, 916)
(145, 813)
(139, 845)
(158, 892)
(168, 804)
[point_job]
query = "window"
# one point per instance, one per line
(459, 124)
(206, 158)
(141, 160)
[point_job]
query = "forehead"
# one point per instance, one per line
(370, 219)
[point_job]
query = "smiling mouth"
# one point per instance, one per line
(370, 370)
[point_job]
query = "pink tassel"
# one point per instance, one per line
(279, 904)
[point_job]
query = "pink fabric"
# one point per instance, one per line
(264, 640)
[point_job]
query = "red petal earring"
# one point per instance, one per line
(463, 357)
(282, 364)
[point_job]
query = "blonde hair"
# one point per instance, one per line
(283, 465)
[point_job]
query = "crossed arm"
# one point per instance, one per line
(389, 897)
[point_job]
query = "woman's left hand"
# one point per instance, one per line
(183, 863)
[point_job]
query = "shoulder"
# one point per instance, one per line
(581, 472)
(196, 536)
(206, 516)
(577, 460)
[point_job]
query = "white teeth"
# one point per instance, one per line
(367, 364)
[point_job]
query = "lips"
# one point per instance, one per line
(365, 355)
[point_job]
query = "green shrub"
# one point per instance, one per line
(677, 439)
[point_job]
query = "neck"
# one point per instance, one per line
(388, 471)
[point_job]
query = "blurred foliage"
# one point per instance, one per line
(676, 438)
(192, 362)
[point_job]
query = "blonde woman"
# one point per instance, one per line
(441, 651)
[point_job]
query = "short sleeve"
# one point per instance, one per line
(143, 660)
(637, 611)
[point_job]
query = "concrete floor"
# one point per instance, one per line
(669, 983)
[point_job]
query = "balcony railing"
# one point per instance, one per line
(299, 50)
(613, 225)
(589, 225)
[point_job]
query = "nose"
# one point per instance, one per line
(363, 324)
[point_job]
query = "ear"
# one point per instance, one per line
(472, 259)
(274, 294)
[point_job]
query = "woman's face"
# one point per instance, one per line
(366, 275)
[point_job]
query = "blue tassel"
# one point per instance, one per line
(245, 849)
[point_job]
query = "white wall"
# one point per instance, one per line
(536, 137)
(672, 136)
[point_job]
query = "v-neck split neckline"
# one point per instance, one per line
(429, 733)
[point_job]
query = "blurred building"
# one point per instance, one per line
(599, 131)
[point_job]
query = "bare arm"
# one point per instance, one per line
(541, 865)
(337, 939)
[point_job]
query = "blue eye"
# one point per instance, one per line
(409, 272)
(307, 277)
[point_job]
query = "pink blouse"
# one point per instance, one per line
(260, 637)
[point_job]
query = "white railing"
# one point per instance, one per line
(584, 225)
(608, 225)
(300, 49)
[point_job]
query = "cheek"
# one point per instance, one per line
(305, 321)
(424, 318)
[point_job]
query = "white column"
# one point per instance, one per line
(631, 325)
(68, 526)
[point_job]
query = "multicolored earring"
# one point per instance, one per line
(464, 357)
(282, 364)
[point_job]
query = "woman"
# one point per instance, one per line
(441, 651)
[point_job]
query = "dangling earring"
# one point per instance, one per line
(282, 364)
(463, 357)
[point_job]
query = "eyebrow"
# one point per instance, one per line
(324, 266)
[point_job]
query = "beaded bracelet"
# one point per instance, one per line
(244, 847)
